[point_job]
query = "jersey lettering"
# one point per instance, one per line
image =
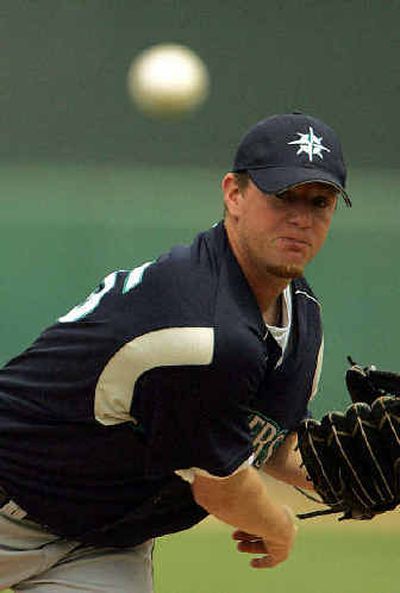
(135, 277)
(92, 300)
(266, 435)
(79, 311)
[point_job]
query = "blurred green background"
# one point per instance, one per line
(89, 185)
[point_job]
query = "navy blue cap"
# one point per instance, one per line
(286, 150)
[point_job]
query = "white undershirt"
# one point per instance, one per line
(281, 333)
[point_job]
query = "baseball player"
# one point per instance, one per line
(158, 399)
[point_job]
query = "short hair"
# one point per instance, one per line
(242, 178)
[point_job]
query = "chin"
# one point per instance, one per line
(288, 271)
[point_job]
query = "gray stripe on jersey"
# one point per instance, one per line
(164, 347)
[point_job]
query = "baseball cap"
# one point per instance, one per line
(286, 150)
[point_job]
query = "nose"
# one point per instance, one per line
(300, 214)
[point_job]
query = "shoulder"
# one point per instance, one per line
(179, 287)
(189, 266)
(201, 257)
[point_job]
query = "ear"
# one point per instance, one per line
(232, 194)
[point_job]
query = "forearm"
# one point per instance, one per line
(286, 464)
(242, 500)
(263, 526)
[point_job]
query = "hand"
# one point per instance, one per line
(274, 548)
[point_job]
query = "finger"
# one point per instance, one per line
(266, 561)
(256, 547)
(244, 536)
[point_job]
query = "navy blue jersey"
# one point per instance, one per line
(161, 369)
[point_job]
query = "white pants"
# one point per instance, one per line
(36, 561)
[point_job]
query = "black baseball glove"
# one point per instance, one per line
(353, 458)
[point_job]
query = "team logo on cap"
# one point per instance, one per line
(310, 144)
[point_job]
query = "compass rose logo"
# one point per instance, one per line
(310, 144)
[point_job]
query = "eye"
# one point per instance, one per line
(322, 202)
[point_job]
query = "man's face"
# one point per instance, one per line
(278, 235)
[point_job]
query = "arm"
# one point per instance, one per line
(241, 500)
(286, 464)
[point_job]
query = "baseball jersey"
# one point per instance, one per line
(163, 368)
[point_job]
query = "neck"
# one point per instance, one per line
(268, 292)
(266, 286)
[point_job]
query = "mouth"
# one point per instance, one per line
(294, 243)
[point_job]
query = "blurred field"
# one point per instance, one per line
(323, 561)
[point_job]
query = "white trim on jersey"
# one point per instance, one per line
(304, 293)
(318, 369)
(164, 347)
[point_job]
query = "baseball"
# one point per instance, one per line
(168, 81)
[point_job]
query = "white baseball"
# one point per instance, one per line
(168, 80)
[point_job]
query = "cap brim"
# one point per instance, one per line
(276, 180)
